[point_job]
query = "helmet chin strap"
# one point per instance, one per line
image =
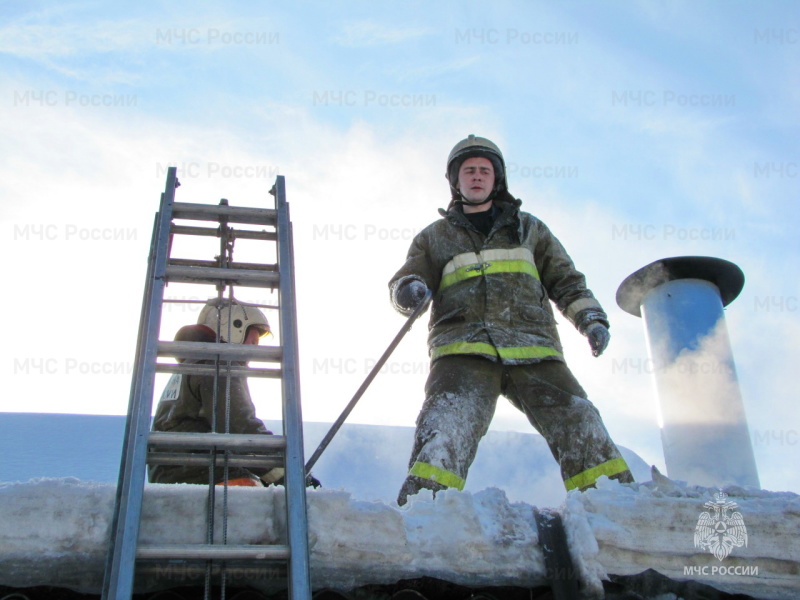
(459, 199)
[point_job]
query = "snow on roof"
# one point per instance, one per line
(54, 532)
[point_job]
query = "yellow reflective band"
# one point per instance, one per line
(510, 353)
(489, 262)
(437, 474)
(464, 348)
(589, 476)
(519, 352)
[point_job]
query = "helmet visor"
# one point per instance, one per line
(262, 330)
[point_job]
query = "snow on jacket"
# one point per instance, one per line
(492, 293)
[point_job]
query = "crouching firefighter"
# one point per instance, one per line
(494, 270)
(191, 403)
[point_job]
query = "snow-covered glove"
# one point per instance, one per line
(275, 477)
(410, 295)
(598, 336)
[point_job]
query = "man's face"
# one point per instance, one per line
(253, 335)
(476, 179)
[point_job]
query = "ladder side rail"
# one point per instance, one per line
(111, 571)
(295, 479)
(128, 513)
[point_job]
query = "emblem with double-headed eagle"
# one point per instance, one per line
(721, 532)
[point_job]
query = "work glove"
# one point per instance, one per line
(598, 336)
(410, 295)
(275, 477)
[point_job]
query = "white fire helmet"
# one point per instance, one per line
(236, 315)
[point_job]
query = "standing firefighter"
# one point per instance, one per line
(493, 270)
(188, 401)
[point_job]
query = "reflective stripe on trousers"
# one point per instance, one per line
(590, 476)
(509, 352)
(579, 481)
(437, 474)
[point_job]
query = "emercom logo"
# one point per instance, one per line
(720, 529)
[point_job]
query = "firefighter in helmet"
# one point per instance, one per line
(187, 403)
(495, 271)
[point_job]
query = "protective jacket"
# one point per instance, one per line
(187, 404)
(492, 293)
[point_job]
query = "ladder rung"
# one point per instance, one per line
(257, 267)
(210, 370)
(184, 459)
(241, 277)
(213, 552)
(197, 570)
(226, 352)
(239, 234)
(234, 214)
(207, 441)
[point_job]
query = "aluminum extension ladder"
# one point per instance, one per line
(284, 450)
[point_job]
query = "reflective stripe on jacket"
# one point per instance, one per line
(492, 294)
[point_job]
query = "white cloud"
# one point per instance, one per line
(367, 33)
(54, 40)
(433, 71)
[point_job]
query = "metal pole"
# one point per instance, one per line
(360, 392)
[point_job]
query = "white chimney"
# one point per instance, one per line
(703, 424)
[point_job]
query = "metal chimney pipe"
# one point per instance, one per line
(703, 424)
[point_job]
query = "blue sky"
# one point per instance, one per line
(635, 130)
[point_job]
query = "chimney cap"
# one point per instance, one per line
(727, 276)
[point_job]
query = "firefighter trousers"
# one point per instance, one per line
(461, 396)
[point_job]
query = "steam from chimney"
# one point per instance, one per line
(703, 424)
